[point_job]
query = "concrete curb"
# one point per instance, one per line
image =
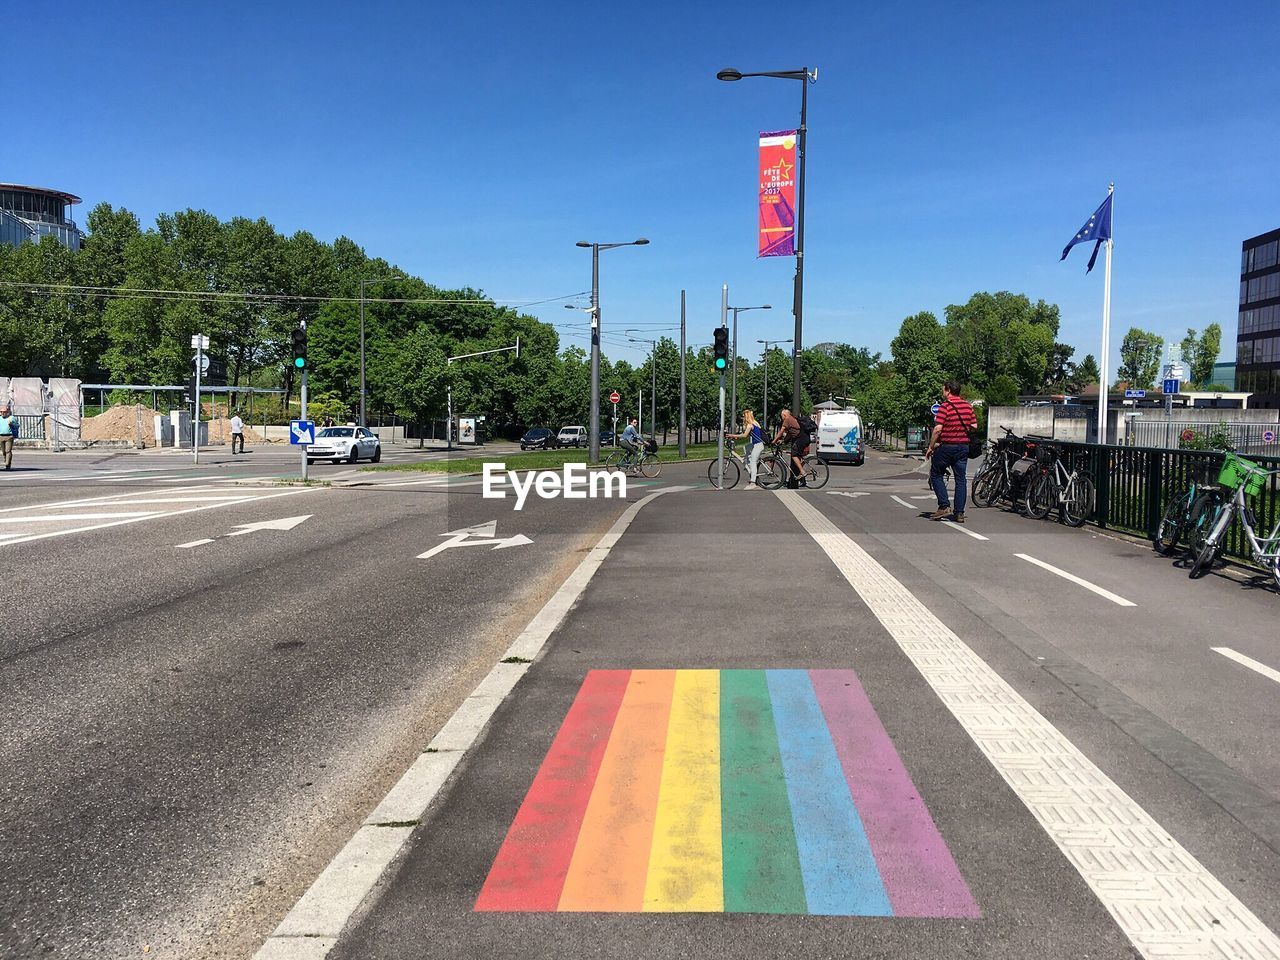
(311, 929)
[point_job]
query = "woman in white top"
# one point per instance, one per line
(753, 433)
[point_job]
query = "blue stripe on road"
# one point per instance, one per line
(839, 870)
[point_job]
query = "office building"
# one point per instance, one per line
(29, 213)
(1258, 336)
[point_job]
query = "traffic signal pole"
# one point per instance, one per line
(304, 416)
(195, 417)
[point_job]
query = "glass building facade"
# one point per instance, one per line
(1258, 335)
(29, 213)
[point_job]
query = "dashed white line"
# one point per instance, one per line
(53, 517)
(961, 528)
(1166, 902)
(1249, 662)
(1100, 591)
(195, 543)
(909, 506)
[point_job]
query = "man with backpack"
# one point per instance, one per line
(954, 431)
(799, 433)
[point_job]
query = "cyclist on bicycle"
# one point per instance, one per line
(630, 439)
(753, 433)
(790, 432)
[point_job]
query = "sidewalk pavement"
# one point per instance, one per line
(725, 751)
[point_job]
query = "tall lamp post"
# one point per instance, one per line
(594, 428)
(363, 281)
(733, 351)
(767, 344)
(806, 77)
(653, 392)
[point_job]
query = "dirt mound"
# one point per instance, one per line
(121, 423)
(220, 432)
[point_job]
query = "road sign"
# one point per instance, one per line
(199, 342)
(203, 359)
(935, 408)
(302, 432)
(1268, 436)
(1171, 386)
(1134, 394)
(615, 397)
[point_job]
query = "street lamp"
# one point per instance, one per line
(733, 402)
(653, 392)
(806, 77)
(767, 344)
(594, 428)
(363, 281)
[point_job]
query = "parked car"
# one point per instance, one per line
(345, 443)
(606, 438)
(572, 437)
(538, 438)
(840, 438)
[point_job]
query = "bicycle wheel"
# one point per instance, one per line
(816, 473)
(614, 461)
(1042, 496)
(650, 467)
(769, 473)
(1201, 518)
(987, 486)
(1077, 506)
(1204, 546)
(1168, 535)
(731, 473)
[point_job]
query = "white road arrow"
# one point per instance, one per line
(847, 493)
(284, 523)
(481, 535)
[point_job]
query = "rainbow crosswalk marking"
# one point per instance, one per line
(738, 791)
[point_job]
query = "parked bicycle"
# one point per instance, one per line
(1244, 479)
(735, 465)
(644, 462)
(1071, 491)
(1006, 469)
(1186, 513)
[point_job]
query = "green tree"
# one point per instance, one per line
(922, 358)
(1200, 353)
(1086, 373)
(1140, 354)
(1002, 333)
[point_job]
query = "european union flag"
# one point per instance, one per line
(1098, 228)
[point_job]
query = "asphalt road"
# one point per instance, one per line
(191, 732)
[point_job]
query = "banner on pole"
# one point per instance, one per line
(777, 194)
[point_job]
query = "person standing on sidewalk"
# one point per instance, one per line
(949, 447)
(8, 431)
(753, 433)
(237, 433)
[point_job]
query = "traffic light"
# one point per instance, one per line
(722, 348)
(300, 348)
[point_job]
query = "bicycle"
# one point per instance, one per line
(815, 473)
(1071, 491)
(734, 466)
(1000, 478)
(642, 462)
(1245, 479)
(1186, 515)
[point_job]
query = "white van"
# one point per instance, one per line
(840, 437)
(572, 437)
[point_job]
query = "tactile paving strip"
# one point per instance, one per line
(1164, 900)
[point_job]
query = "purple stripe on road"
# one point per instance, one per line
(919, 875)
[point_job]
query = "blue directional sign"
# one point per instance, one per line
(1134, 394)
(302, 431)
(1172, 386)
(935, 408)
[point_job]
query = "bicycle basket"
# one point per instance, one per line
(1238, 472)
(1045, 454)
(651, 445)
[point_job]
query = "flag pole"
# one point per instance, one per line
(1103, 385)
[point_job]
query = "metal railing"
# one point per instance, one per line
(1135, 484)
(1247, 438)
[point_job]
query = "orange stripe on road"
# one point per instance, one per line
(611, 860)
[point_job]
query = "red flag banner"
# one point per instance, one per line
(777, 194)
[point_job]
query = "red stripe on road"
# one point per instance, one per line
(531, 866)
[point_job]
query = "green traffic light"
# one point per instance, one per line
(299, 362)
(721, 363)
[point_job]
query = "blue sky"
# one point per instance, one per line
(954, 147)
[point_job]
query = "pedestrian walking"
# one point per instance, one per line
(753, 433)
(949, 448)
(8, 433)
(237, 432)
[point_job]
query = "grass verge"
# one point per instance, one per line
(537, 460)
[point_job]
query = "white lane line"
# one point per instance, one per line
(310, 929)
(103, 499)
(909, 506)
(1100, 591)
(195, 543)
(961, 528)
(170, 513)
(192, 499)
(47, 517)
(171, 476)
(1164, 900)
(1249, 662)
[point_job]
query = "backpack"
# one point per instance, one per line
(808, 428)
(975, 441)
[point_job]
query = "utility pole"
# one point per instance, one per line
(683, 424)
(201, 343)
(724, 321)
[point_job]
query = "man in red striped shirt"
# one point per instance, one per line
(949, 447)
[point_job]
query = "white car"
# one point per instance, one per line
(572, 437)
(344, 443)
